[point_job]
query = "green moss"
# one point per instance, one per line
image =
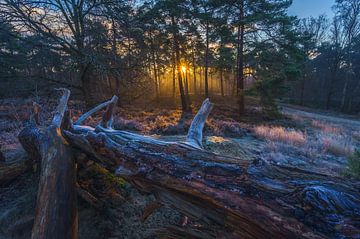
(354, 164)
(111, 178)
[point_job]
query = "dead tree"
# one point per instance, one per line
(56, 206)
(246, 199)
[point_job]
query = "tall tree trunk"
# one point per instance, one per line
(158, 74)
(173, 74)
(159, 80)
(233, 88)
(333, 73)
(113, 39)
(221, 82)
(194, 69)
(344, 93)
(184, 103)
(207, 62)
(186, 84)
(155, 79)
(153, 55)
(200, 80)
(240, 61)
(330, 92)
(86, 73)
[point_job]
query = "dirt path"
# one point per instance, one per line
(343, 120)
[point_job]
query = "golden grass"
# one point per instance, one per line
(325, 127)
(280, 134)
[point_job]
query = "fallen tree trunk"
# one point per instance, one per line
(246, 199)
(56, 206)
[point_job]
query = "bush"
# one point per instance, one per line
(354, 163)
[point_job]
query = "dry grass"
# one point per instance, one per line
(337, 144)
(326, 127)
(280, 134)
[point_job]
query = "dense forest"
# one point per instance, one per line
(153, 49)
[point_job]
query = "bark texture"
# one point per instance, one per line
(245, 199)
(56, 206)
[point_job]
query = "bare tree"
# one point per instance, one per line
(62, 23)
(315, 31)
(348, 13)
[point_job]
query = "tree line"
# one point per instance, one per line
(331, 74)
(178, 48)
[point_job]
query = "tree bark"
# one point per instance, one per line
(56, 206)
(194, 73)
(184, 103)
(246, 199)
(207, 62)
(173, 75)
(221, 82)
(240, 61)
(242, 198)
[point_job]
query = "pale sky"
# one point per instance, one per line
(307, 8)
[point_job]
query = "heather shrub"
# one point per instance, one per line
(121, 123)
(225, 127)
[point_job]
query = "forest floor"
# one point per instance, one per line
(303, 138)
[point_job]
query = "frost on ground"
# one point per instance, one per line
(307, 140)
(318, 142)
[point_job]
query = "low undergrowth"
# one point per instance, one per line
(280, 134)
(337, 144)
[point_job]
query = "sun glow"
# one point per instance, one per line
(183, 69)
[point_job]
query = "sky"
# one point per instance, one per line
(307, 8)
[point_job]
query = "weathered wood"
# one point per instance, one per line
(194, 136)
(61, 108)
(107, 119)
(247, 199)
(243, 198)
(56, 206)
(83, 117)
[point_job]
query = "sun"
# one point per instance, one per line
(183, 69)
